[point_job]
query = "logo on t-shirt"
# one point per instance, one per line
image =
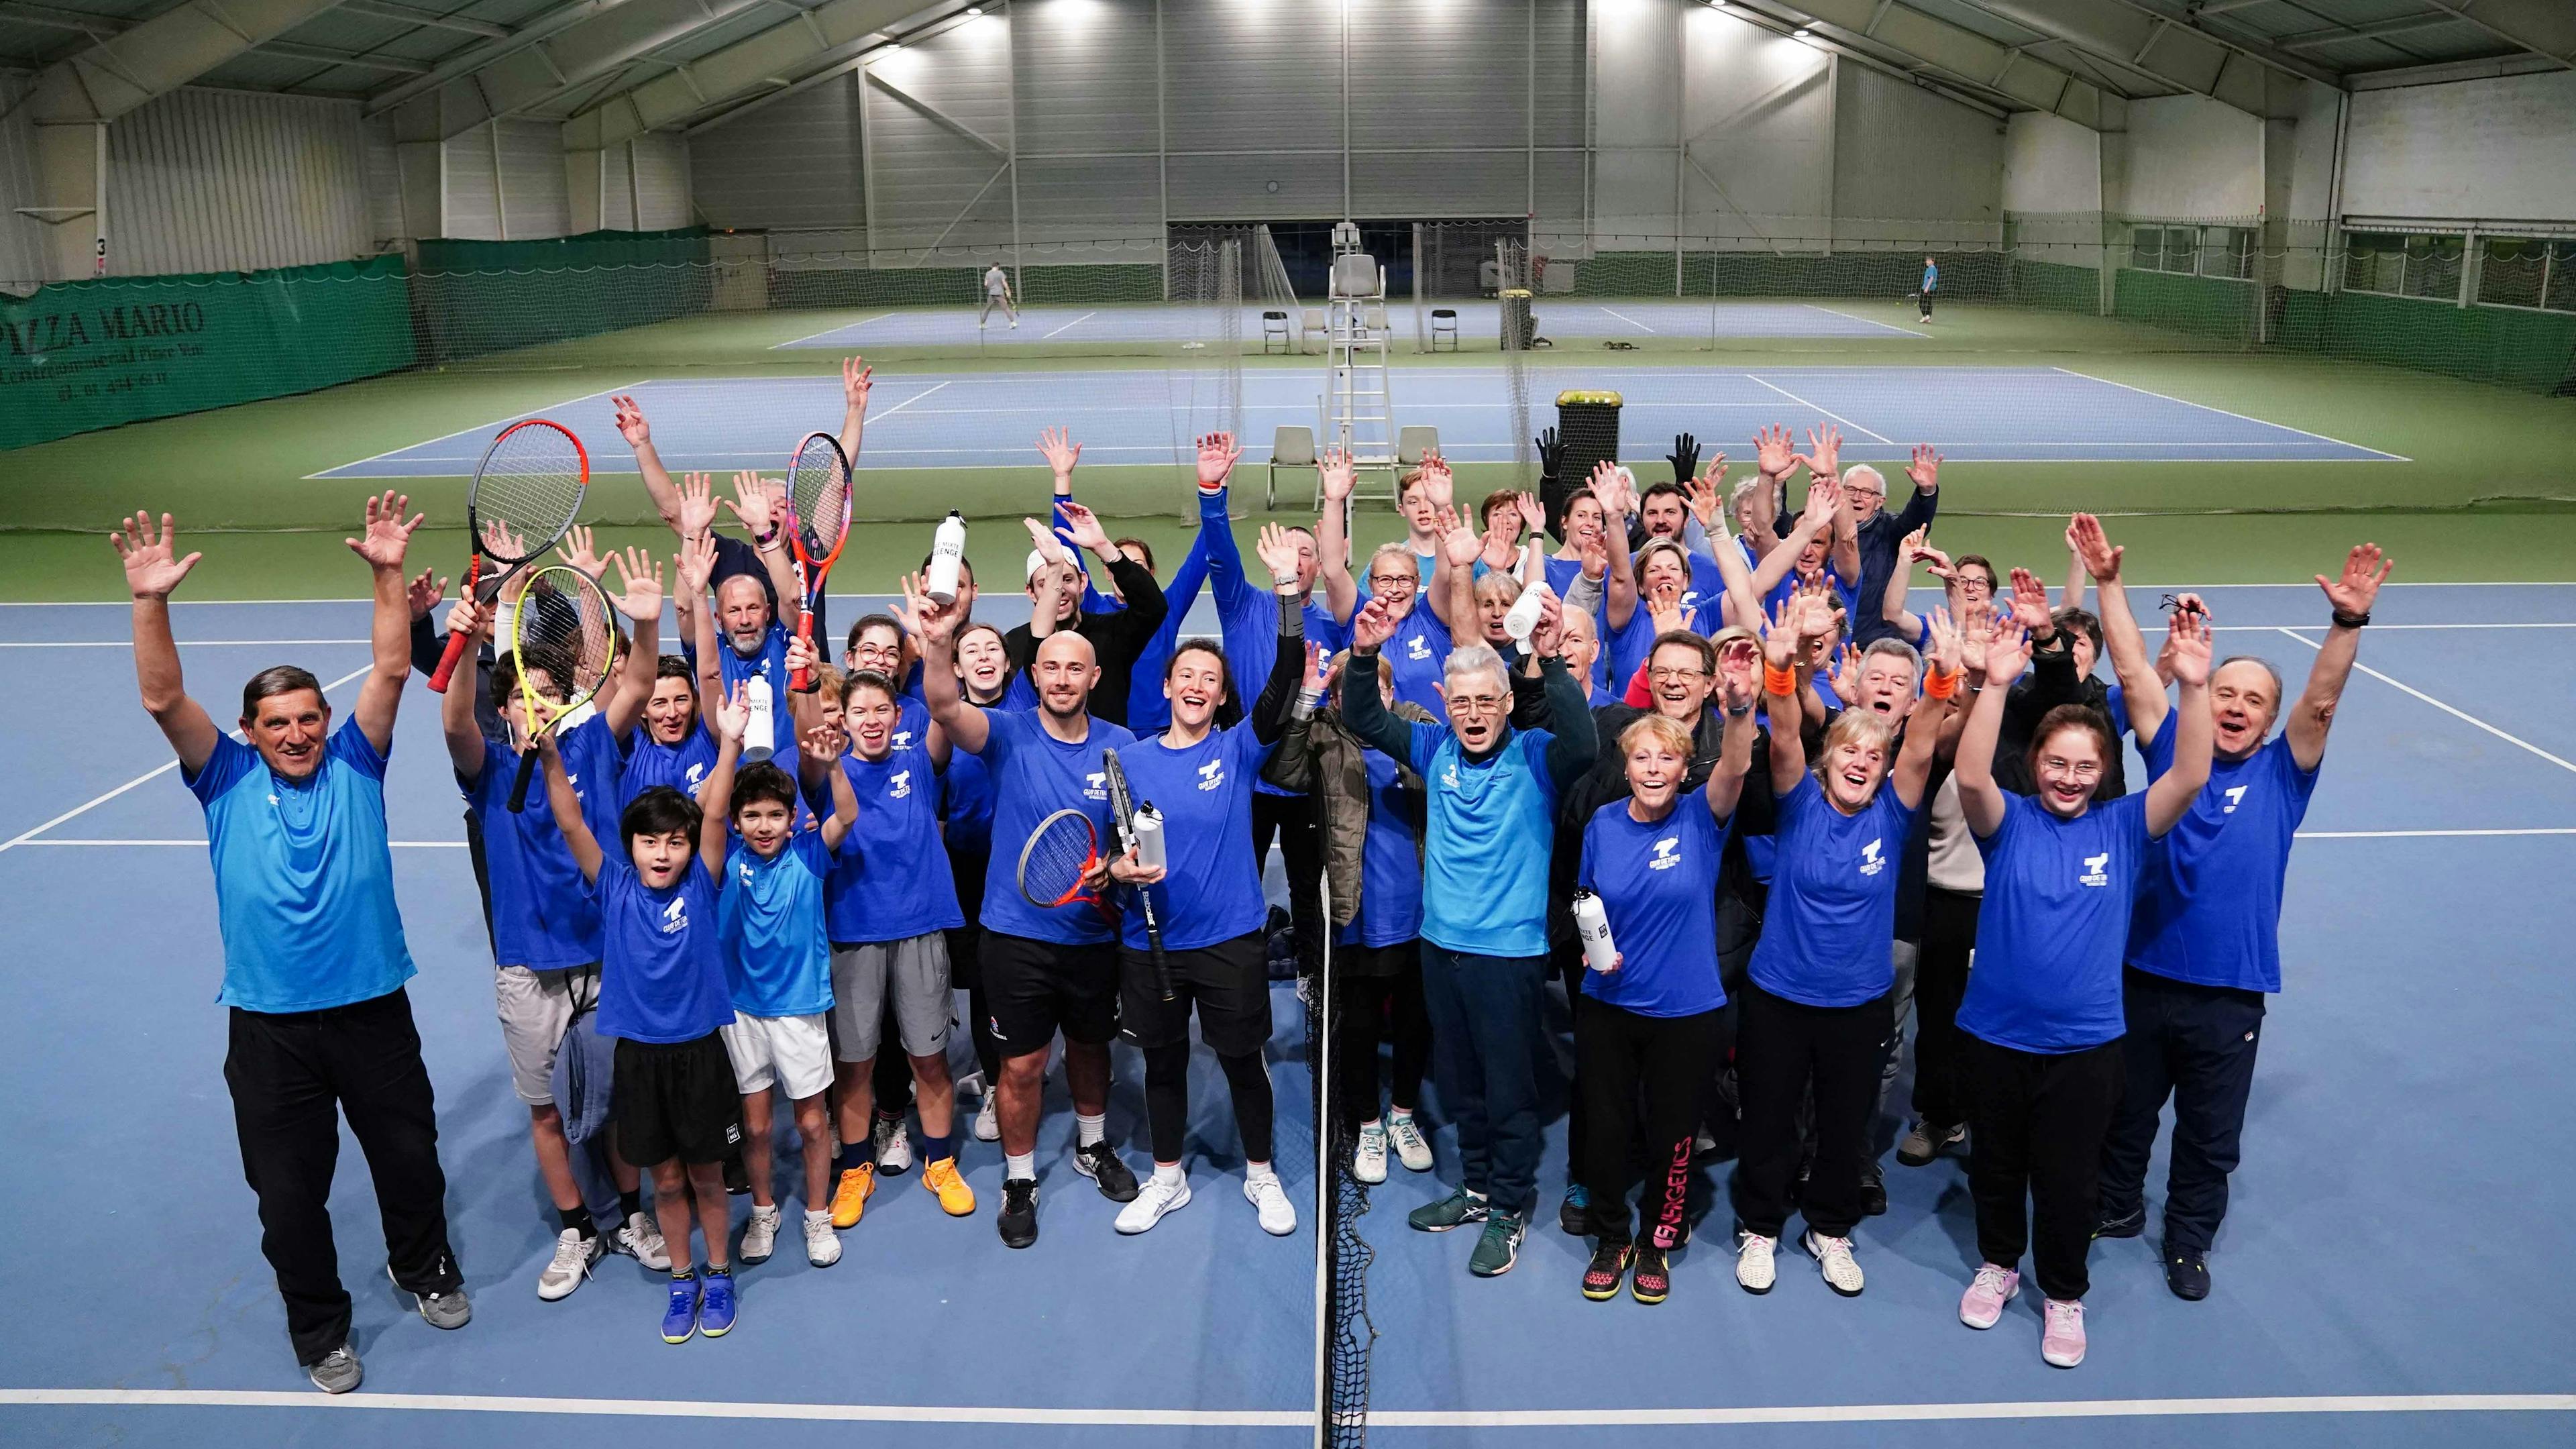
(1870, 864)
(1449, 775)
(675, 916)
(902, 739)
(899, 785)
(1095, 786)
(745, 867)
(2235, 797)
(2095, 870)
(1667, 853)
(696, 773)
(1212, 774)
(1417, 647)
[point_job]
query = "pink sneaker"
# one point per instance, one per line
(2061, 1342)
(1984, 1301)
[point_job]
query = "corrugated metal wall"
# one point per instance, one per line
(737, 179)
(470, 206)
(939, 119)
(534, 200)
(22, 260)
(217, 181)
(661, 181)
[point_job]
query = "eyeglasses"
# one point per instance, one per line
(2086, 771)
(1971, 584)
(1660, 673)
(1393, 583)
(1476, 703)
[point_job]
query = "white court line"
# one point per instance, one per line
(1837, 417)
(671, 1408)
(536, 412)
(200, 845)
(907, 402)
(184, 643)
(829, 331)
(1076, 322)
(2275, 628)
(1924, 1413)
(1866, 321)
(2403, 834)
(2240, 417)
(76, 811)
(1631, 321)
(2444, 708)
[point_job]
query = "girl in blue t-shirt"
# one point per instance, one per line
(1814, 1008)
(2042, 1021)
(1654, 1017)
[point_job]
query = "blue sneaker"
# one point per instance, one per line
(680, 1319)
(715, 1311)
(1575, 1213)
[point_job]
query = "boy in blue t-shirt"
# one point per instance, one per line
(663, 998)
(778, 966)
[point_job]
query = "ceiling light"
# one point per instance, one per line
(974, 10)
(1802, 33)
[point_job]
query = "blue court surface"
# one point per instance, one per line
(1148, 416)
(1476, 322)
(2392, 1271)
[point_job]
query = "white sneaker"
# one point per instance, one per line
(988, 1117)
(1834, 1260)
(894, 1147)
(1368, 1159)
(760, 1235)
(573, 1256)
(1278, 1215)
(1753, 1266)
(1411, 1148)
(1158, 1195)
(642, 1237)
(822, 1245)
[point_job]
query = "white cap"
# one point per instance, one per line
(1037, 561)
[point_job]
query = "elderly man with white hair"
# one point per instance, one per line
(1492, 801)
(1880, 532)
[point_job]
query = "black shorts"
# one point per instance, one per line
(1228, 982)
(1038, 988)
(1378, 963)
(676, 1101)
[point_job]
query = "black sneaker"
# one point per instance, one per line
(1100, 1163)
(2187, 1274)
(1873, 1190)
(737, 1178)
(1018, 1220)
(1574, 1215)
(1652, 1282)
(1609, 1268)
(1924, 1142)
(2127, 1225)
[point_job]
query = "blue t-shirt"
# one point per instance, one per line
(1658, 881)
(683, 766)
(1390, 910)
(890, 879)
(1830, 930)
(769, 664)
(304, 879)
(2055, 918)
(1625, 648)
(1846, 594)
(2209, 900)
(777, 958)
(1562, 572)
(662, 977)
(1931, 277)
(543, 913)
(966, 788)
(1416, 652)
(1484, 884)
(1211, 890)
(1035, 775)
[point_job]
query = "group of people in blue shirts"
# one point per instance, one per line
(1743, 845)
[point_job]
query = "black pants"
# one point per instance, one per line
(1940, 984)
(1301, 851)
(1382, 1006)
(1927, 304)
(1739, 930)
(292, 1076)
(1618, 1053)
(1786, 1049)
(965, 964)
(2035, 1126)
(2195, 1044)
(482, 876)
(1565, 962)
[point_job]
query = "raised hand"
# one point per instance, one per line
(1595, 552)
(1780, 643)
(1551, 453)
(753, 503)
(1824, 451)
(822, 744)
(578, 549)
(1707, 497)
(1925, 470)
(639, 575)
(697, 511)
(2092, 547)
(1738, 674)
(1458, 543)
(800, 655)
(1843, 675)
(1664, 605)
(1217, 457)
(2030, 603)
(1684, 457)
(472, 618)
(1082, 526)
(1533, 513)
(1277, 548)
(152, 565)
(1437, 477)
(1340, 477)
(1914, 544)
(936, 623)
(1815, 615)
(1060, 450)
(1948, 648)
(1937, 564)
(2007, 654)
(856, 378)
(1604, 484)
(424, 592)
(733, 713)
(2187, 646)
(1319, 667)
(696, 566)
(630, 422)
(2364, 570)
(1547, 636)
(1772, 451)
(1373, 625)
(387, 535)
(1824, 501)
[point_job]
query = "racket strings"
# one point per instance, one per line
(1057, 858)
(818, 488)
(530, 486)
(565, 627)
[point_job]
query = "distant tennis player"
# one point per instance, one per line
(997, 293)
(1931, 283)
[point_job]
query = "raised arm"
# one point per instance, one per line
(1739, 671)
(856, 378)
(1278, 551)
(757, 502)
(2195, 729)
(640, 575)
(567, 808)
(667, 500)
(456, 707)
(1292, 765)
(152, 569)
(1573, 744)
(1364, 712)
(1924, 728)
(1981, 800)
(2140, 688)
(965, 724)
(1451, 590)
(1925, 472)
(382, 544)
(1824, 501)
(1619, 602)
(715, 797)
(818, 763)
(1781, 649)
(2351, 595)
(1332, 536)
(1891, 605)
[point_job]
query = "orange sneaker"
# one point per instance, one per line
(850, 1199)
(955, 1198)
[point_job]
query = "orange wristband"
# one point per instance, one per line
(1778, 681)
(1941, 686)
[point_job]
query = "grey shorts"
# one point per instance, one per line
(914, 971)
(535, 1008)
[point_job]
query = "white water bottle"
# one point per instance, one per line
(1524, 613)
(1592, 924)
(947, 549)
(1149, 836)
(759, 738)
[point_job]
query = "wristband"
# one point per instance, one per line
(1942, 686)
(1778, 681)
(1284, 585)
(2344, 620)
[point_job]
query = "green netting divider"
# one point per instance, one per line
(476, 297)
(93, 354)
(859, 285)
(2059, 286)
(2202, 306)
(2530, 350)
(1091, 282)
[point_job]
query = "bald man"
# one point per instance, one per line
(1046, 970)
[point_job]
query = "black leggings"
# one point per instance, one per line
(1618, 1052)
(2035, 1130)
(1292, 818)
(1940, 983)
(1375, 1009)
(1167, 1100)
(1788, 1047)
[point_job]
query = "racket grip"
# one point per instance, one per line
(1163, 975)
(802, 680)
(457, 644)
(527, 772)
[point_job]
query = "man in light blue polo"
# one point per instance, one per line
(1931, 283)
(314, 959)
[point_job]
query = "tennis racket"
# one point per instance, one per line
(527, 491)
(1122, 814)
(1061, 853)
(818, 503)
(563, 633)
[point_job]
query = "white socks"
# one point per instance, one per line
(1088, 1130)
(1169, 1173)
(1019, 1165)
